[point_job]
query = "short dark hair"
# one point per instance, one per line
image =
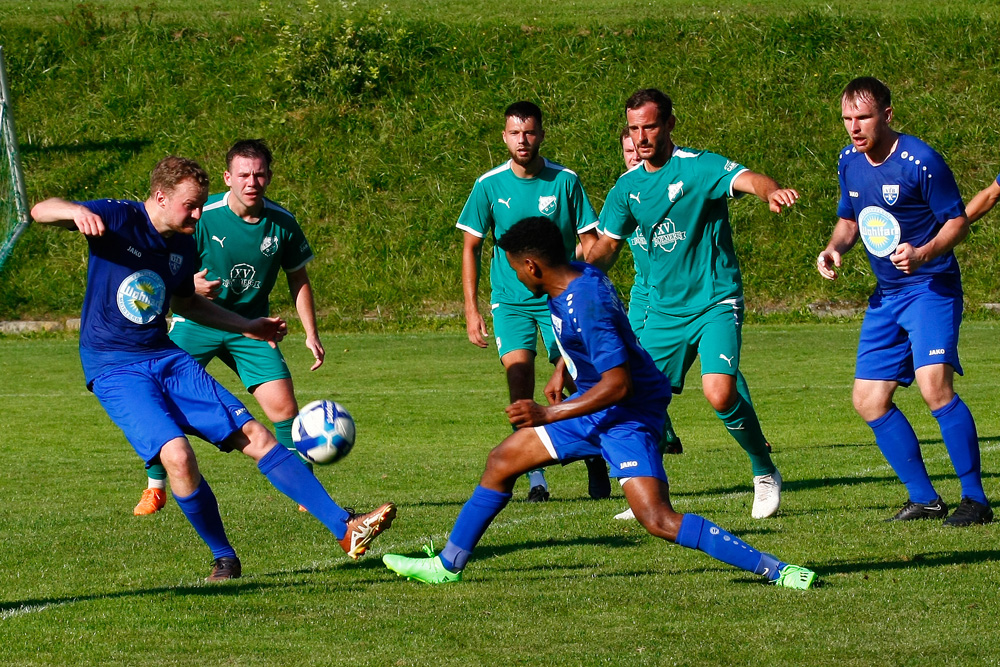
(624, 133)
(536, 237)
(868, 88)
(646, 95)
(249, 148)
(524, 110)
(171, 171)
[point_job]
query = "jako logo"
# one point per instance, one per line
(628, 464)
(939, 350)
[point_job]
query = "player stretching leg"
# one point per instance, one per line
(900, 198)
(616, 411)
(524, 186)
(677, 200)
(245, 241)
(142, 261)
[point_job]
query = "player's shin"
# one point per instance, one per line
(900, 447)
(699, 533)
(287, 474)
(476, 516)
(742, 423)
(958, 430)
(202, 511)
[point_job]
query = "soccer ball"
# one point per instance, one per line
(323, 432)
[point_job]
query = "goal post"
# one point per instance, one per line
(14, 217)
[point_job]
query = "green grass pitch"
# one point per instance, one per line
(82, 581)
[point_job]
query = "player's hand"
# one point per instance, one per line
(316, 347)
(827, 264)
(270, 329)
(555, 386)
(475, 325)
(782, 198)
(907, 259)
(205, 287)
(88, 222)
(526, 412)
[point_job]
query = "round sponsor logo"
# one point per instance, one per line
(879, 230)
(141, 296)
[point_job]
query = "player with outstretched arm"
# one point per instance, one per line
(616, 412)
(245, 240)
(677, 199)
(900, 199)
(142, 262)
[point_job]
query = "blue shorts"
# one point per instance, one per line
(517, 327)
(906, 330)
(627, 439)
(158, 400)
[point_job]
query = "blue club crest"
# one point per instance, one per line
(890, 193)
(175, 262)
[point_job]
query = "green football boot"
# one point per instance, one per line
(795, 576)
(428, 570)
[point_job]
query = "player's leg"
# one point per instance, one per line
(719, 335)
(517, 339)
(523, 450)
(205, 407)
(668, 349)
(649, 498)
(134, 398)
(744, 390)
(884, 362)
(932, 320)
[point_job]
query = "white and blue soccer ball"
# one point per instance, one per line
(323, 432)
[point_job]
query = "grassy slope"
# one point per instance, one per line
(84, 582)
(380, 180)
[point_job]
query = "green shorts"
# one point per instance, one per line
(715, 335)
(255, 361)
(637, 304)
(517, 327)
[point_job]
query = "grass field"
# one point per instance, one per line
(82, 581)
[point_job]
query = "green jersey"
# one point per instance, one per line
(500, 199)
(682, 213)
(247, 256)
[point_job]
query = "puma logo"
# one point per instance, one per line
(728, 360)
(222, 241)
(505, 203)
(635, 197)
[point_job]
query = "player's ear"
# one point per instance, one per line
(888, 115)
(227, 178)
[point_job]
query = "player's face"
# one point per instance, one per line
(181, 207)
(628, 153)
(866, 124)
(248, 178)
(650, 134)
(523, 138)
(523, 268)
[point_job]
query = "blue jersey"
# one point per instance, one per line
(906, 199)
(594, 336)
(132, 273)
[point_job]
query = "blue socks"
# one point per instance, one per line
(699, 533)
(284, 470)
(895, 437)
(958, 430)
(475, 517)
(202, 510)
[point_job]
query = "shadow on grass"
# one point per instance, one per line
(922, 560)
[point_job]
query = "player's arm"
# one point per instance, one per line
(475, 325)
(845, 235)
(69, 215)
(302, 295)
(984, 200)
(199, 309)
(615, 385)
(908, 259)
(604, 252)
(587, 241)
(766, 189)
(553, 391)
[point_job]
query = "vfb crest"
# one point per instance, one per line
(547, 204)
(175, 262)
(890, 193)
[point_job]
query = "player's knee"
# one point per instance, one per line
(660, 521)
(178, 458)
